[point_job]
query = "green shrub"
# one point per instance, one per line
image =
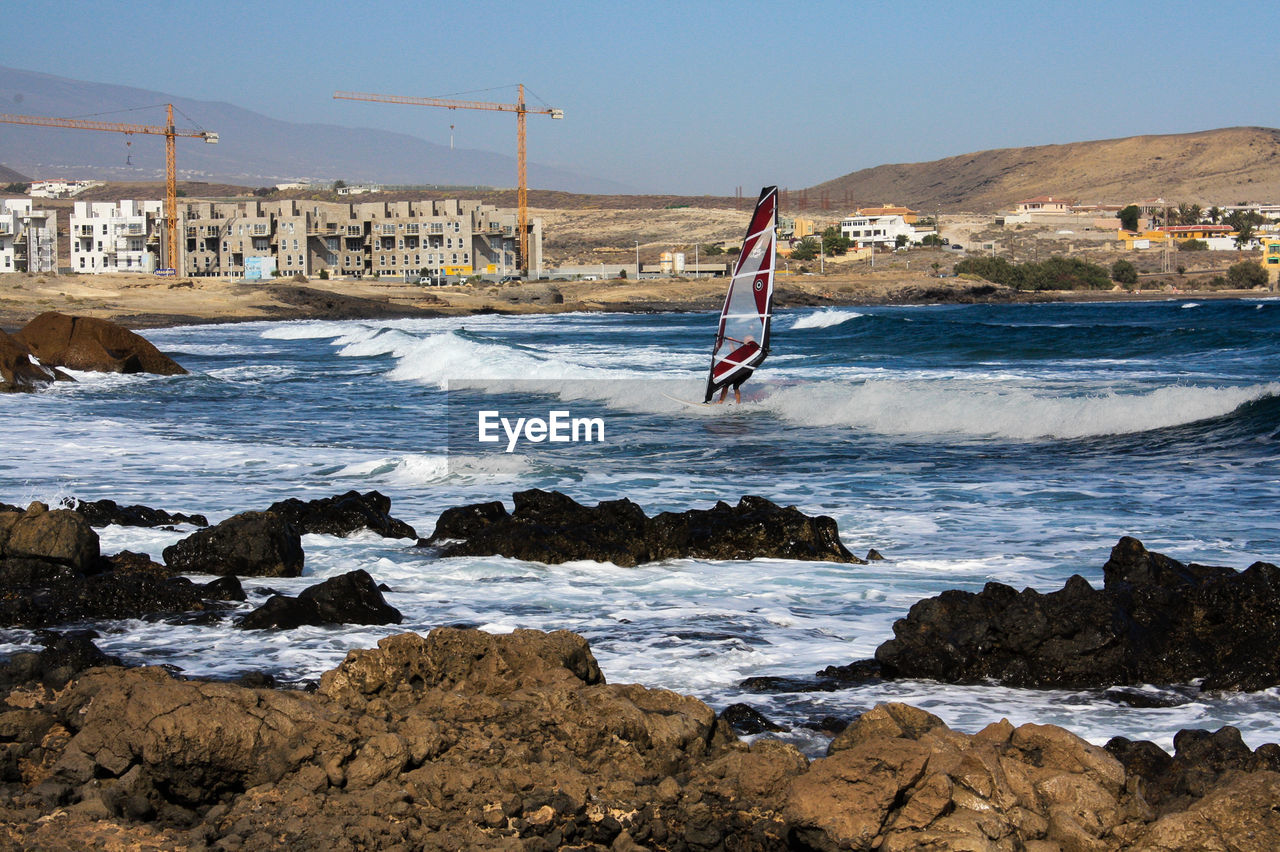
(1246, 275)
(1124, 272)
(1056, 273)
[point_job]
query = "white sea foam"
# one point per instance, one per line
(1023, 413)
(825, 318)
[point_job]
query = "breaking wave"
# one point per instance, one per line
(891, 407)
(825, 318)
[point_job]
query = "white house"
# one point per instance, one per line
(109, 237)
(28, 237)
(60, 188)
(881, 230)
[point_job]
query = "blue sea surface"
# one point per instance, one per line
(971, 443)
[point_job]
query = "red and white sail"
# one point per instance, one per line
(742, 339)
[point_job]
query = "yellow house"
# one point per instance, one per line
(1271, 260)
(1196, 232)
(1171, 233)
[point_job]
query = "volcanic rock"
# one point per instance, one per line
(1155, 621)
(1201, 760)
(552, 527)
(745, 719)
(101, 513)
(43, 546)
(899, 779)
(344, 514)
(87, 343)
(754, 528)
(52, 573)
(18, 373)
(350, 598)
(465, 740)
(251, 544)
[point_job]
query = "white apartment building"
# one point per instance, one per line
(28, 237)
(878, 230)
(111, 237)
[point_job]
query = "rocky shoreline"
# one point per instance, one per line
(461, 739)
(141, 301)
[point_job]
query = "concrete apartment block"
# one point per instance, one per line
(398, 238)
(220, 238)
(28, 237)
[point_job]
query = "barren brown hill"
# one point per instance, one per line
(8, 175)
(1212, 167)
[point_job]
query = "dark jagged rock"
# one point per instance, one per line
(63, 656)
(343, 515)
(101, 513)
(18, 373)
(87, 343)
(552, 527)
(224, 589)
(1155, 621)
(52, 573)
(251, 544)
(1200, 761)
(745, 719)
(755, 527)
(350, 598)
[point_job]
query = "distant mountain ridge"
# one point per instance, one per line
(1227, 166)
(253, 150)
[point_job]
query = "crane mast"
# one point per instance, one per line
(521, 111)
(170, 134)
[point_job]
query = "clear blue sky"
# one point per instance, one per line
(692, 97)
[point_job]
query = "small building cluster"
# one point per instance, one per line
(60, 188)
(251, 239)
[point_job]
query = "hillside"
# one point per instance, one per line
(1225, 166)
(8, 175)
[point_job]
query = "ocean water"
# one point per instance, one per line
(1015, 443)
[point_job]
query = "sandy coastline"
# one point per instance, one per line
(142, 301)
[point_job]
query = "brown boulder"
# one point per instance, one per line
(18, 373)
(900, 779)
(1239, 815)
(87, 343)
(39, 545)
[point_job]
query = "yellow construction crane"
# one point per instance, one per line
(169, 132)
(519, 108)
